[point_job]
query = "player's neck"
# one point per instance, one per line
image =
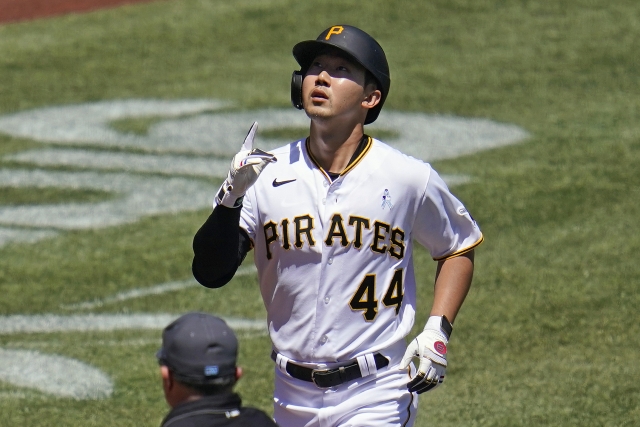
(333, 148)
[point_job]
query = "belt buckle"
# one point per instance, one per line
(313, 376)
(340, 371)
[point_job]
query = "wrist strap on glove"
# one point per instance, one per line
(225, 198)
(440, 323)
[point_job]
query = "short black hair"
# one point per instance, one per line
(369, 78)
(215, 386)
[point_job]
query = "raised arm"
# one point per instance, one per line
(220, 245)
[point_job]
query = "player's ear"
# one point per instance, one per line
(167, 378)
(372, 97)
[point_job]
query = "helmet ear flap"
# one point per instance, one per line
(296, 89)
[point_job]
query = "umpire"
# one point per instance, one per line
(198, 368)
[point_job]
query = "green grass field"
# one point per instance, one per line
(549, 334)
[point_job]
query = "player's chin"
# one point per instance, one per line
(317, 112)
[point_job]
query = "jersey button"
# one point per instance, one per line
(324, 339)
(326, 300)
(325, 184)
(330, 261)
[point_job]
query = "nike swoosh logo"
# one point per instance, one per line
(277, 183)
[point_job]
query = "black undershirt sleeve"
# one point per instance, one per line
(219, 247)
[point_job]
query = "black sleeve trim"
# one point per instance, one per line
(219, 248)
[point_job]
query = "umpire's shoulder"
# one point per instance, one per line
(256, 418)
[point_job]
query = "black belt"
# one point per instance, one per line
(330, 377)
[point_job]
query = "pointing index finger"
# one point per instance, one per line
(248, 140)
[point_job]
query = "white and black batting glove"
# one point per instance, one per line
(431, 348)
(244, 171)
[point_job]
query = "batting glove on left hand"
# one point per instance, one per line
(245, 168)
(431, 348)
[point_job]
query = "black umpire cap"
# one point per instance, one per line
(199, 348)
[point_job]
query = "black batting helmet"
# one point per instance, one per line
(356, 44)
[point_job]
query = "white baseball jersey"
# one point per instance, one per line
(335, 259)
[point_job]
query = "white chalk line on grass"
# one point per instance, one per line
(130, 162)
(143, 292)
(8, 235)
(138, 196)
(133, 293)
(53, 374)
(53, 345)
(52, 323)
(56, 344)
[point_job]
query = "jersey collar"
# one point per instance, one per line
(363, 148)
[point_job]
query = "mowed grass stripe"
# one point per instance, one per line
(143, 292)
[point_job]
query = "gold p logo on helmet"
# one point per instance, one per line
(335, 30)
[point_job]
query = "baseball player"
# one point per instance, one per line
(332, 219)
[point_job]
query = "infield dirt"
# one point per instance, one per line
(24, 10)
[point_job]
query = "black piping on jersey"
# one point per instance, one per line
(363, 148)
(410, 400)
(461, 251)
(408, 411)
